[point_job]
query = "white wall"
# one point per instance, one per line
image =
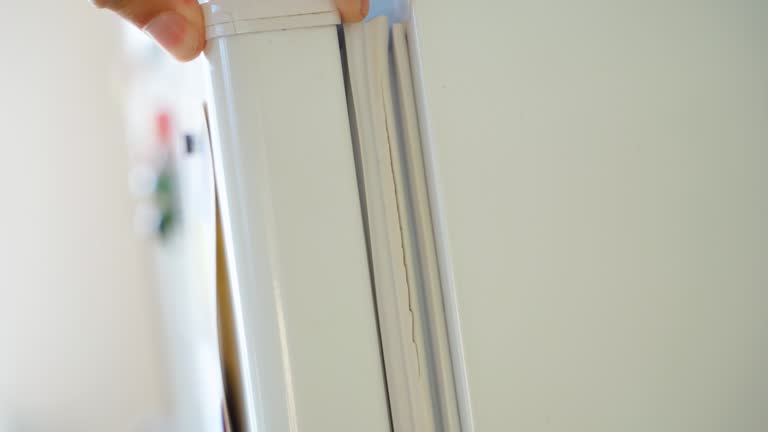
(80, 348)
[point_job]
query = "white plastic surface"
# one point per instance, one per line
(256, 9)
(600, 174)
(419, 240)
(396, 297)
(228, 17)
(295, 239)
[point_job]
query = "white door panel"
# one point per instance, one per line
(302, 296)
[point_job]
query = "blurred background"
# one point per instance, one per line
(108, 317)
(81, 335)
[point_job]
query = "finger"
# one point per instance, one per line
(177, 25)
(353, 10)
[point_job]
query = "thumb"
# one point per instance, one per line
(177, 25)
(353, 10)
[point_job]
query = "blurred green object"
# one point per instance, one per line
(165, 197)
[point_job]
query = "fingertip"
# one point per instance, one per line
(176, 35)
(353, 10)
(365, 8)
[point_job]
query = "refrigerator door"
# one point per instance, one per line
(295, 246)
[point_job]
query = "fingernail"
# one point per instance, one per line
(174, 33)
(365, 7)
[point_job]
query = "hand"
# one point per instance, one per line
(178, 25)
